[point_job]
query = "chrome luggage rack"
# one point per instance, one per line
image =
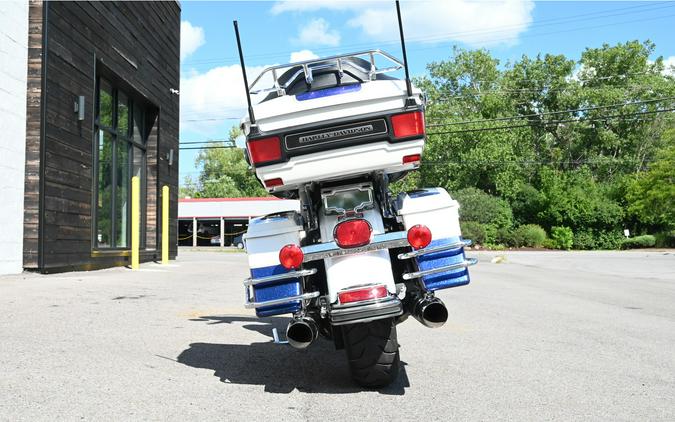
(338, 62)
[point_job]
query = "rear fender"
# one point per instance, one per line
(348, 271)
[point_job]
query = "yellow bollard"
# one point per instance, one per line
(135, 222)
(165, 225)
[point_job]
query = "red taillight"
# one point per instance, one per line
(273, 182)
(264, 150)
(414, 158)
(291, 256)
(357, 295)
(419, 236)
(408, 124)
(352, 233)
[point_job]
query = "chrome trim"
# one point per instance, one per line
(420, 252)
(249, 305)
(366, 312)
(331, 249)
(276, 277)
(466, 263)
(327, 193)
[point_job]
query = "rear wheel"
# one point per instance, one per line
(372, 350)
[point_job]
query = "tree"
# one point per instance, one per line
(651, 197)
(224, 173)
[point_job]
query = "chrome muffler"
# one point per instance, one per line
(430, 311)
(301, 332)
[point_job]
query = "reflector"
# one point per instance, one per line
(273, 182)
(352, 233)
(419, 236)
(357, 295)
(291, 256)
(415, 158)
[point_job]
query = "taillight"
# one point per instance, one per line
(270, 183)
(357, 295)
(419, 236)
(408, 124)
(414, 158)
(291, 256)
(264, 150)
(352, 233)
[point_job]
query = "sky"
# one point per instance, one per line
(212, 96)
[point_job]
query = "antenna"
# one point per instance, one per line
(405, 57)
(251, 116)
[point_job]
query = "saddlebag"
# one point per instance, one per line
(442, 264)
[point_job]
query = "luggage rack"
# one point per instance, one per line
(338, 62)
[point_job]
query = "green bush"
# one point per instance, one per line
(529, 235)
(644, 241)
(474, 231)
(665, 239)
(563, 237)
(476, 205)
(597, 239)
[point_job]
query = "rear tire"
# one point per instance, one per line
(372, 350)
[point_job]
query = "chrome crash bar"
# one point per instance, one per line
(442, 248)
(466, 263)
(249, 302)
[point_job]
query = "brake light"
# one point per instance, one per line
(273, 182)
(414, 158)
(408, 124)
(357, 295)
(291, 256)
(419, 236)
(352, 233)
(264, 150)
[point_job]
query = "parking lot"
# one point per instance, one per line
(537, 336)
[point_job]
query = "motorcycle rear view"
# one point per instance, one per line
(355, 261)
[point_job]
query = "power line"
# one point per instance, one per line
(533, 123)
(522, 116)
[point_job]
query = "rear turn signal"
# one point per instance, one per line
(408, 124)
(419, 236)
(264, 150)
(291, 256)
(357, 295)
(353, 233)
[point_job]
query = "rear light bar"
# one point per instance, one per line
(353, 233)
(361, 294)
(264, 150)
(408, 125)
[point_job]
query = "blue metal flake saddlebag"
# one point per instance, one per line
(274, 290)
(446, 279)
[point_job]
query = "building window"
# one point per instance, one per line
(120, 154)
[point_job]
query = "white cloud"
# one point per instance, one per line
(468, 21)
(207, 99)
(669, 66)
(191, 38)
(318, 32)
(302, 55)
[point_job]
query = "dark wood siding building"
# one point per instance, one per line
(103, 80)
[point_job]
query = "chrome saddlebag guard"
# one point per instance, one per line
(276, 290)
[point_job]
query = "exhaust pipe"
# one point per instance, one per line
(302, 332)
(430, 311)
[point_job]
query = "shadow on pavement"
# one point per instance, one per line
(280, 368)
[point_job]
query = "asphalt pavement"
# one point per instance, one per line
(538, 336)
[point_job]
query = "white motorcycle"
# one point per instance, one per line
(355, 261)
